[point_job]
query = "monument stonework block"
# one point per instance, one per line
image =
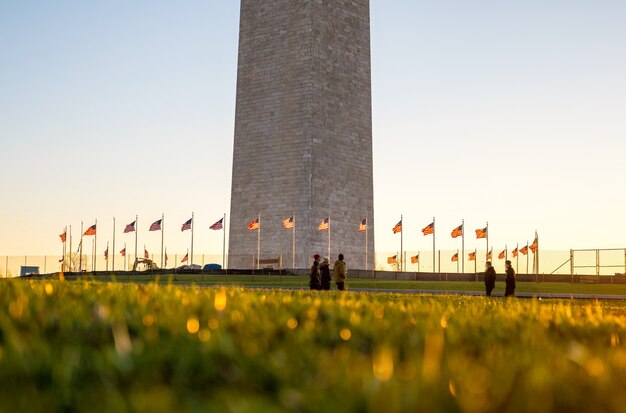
(303, 131)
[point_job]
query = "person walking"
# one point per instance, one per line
(340, 272)
(490, 278)
(325, 273)
(510, 280)
(314, 281)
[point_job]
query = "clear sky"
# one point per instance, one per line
(507, 112)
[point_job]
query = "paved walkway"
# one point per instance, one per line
(560, 296)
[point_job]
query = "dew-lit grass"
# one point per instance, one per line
(93, 346)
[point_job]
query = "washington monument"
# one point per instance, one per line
(303, 132)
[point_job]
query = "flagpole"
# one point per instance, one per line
(527, 257)
(93, 252)
(113, 260)
(136, 231)
(293, 242)
(367, 224)
(224, 243)
(463, 245)
(162, 236)
(64, 251)
(537, 251)
(457, 260)
(70, 263)
(80, 259)
(258, 245)
(402, 243)
(192, 225)
(487, 237)
(418, 261)
(476, 263)
(434, 249)
(95, 246)
(329, 236)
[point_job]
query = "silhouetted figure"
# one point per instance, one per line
(314, 281)
(325, 274)
(510, 280)
(490, 278)
(340, 272)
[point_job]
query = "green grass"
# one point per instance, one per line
(302, 282)
(115, 347)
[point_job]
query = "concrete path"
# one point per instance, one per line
(560, 296)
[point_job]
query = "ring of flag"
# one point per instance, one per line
(187, 225)
(130, 227)
(481, 233)
(218, 225)
(324, 225)
(457, 232)
(429, 229)
(363, 225)
(288, 223)
(156, 225)
(254, 225)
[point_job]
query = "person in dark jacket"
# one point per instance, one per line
(340, 272)
(510, 280)
(325, 273)
(490, 278)
(314, 281)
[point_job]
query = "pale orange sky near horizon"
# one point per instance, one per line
(512, 114)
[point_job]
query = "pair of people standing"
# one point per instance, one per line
(320, 273)
(490, 279)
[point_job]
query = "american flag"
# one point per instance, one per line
(534, 245)
(524, 250)
(288, 223)
(186, 225)
(429, 229)
(324, 225)
(490, 255)
(472, 256)
(156, 226)
(392, 260)
(514, 252)
(166, 258)
(457, 232)
(130, 227)
(481, 233)
(254, 225)
(63, 236)
(502, 255)
(123, 252)
(145, 254)
(106, 253)
(397, 228)
(218, 225)
(185, 258)
(415, 259)
(455, 257)
(90, 231)
(363, 226)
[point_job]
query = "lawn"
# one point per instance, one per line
(302, 282)
(119, 347)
